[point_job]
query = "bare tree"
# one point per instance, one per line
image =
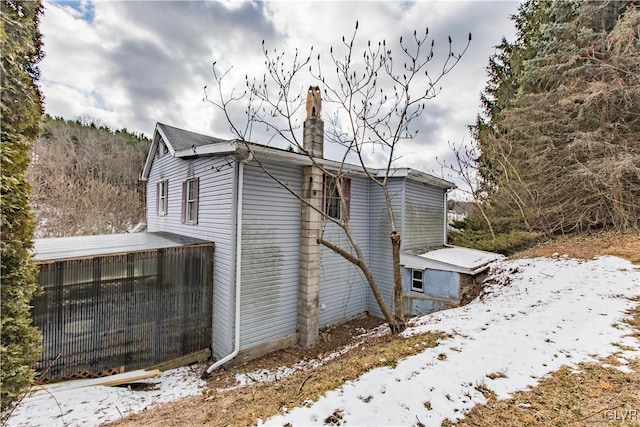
(374, 100)
(84, 179)
(465, 167)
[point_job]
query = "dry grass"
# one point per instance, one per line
(594, 394)
(241, 407)
(591, 396)
(588, 246)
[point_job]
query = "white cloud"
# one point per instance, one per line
(131, 64)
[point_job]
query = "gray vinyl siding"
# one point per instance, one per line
(380, 240)
(216, 223)
(343, 288)
(270, 254)
(423, 216)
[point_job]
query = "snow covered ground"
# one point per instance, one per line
(91, 406)
(538, 314)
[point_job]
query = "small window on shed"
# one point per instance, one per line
(417, 284)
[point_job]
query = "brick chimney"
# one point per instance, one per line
(310, 224)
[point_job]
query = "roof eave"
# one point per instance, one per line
(430, 179)
(415, 261)
(418, 176)
(144, 176)
(224, 147)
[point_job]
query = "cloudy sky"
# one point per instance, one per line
(130, 64)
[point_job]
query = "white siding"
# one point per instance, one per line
(271, 239)
(343, 288)
(270, 254)
(423, 216)
(380, 239)
(216, 222)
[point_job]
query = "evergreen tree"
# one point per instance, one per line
(21, 107)
(560, 129)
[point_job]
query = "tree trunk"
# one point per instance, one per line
(397, 281)
(393, 321)
(364, 267)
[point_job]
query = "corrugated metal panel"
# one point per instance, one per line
(423, 216)
(58, 248)
(380, 243)
(270, 254)
(216, 222)
(343, 289)
(130, 310)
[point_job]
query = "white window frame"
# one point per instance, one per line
(415, 280)
(163, 197)
(191, 202)
(190, 192)
(332, 205)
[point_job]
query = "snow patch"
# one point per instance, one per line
(535, 316)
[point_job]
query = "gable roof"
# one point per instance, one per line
(178, 139)
(186, 144)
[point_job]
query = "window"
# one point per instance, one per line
(417, 283)
(332, 205)
(162, 193)
(190, 201)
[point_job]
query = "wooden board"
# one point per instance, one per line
(111, 380)
(187, 359)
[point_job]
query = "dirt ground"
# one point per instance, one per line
(331, 339)
(241, 406)
(237, 406)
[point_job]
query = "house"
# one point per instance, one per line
(273, 285)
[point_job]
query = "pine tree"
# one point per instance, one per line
(559, 134)
(21, 108)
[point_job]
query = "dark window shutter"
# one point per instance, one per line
(196, 185)
(157, 198)
(324, 193)
(183, 215)
(346, 192)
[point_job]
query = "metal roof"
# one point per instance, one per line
(56, 248)
(450, 258)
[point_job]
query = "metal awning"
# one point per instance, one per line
(450, 258)
(56, 248)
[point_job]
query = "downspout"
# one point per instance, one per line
(446, 217)
(236, 344)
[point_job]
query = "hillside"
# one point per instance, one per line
(84, 179)
(553, 341)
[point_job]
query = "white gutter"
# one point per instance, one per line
(236, 344)
(222, 147)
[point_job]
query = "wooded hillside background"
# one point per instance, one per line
(557, 144)
(84, 179)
